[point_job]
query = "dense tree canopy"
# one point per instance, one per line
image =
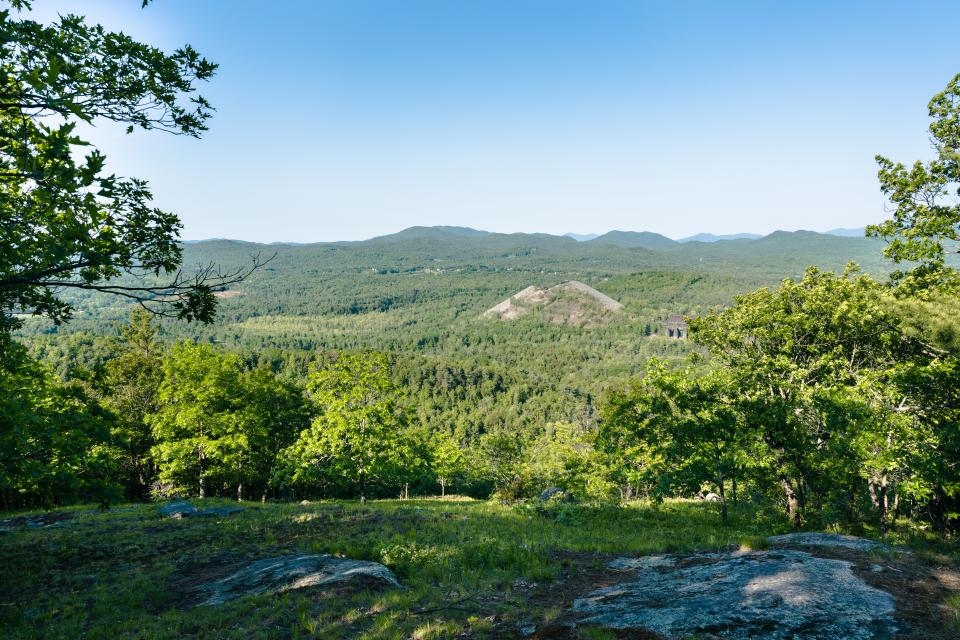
(55, 440)
(359, 439)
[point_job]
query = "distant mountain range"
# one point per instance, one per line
(709, 237)
(847, 233)
(450, 249)
(644, 239)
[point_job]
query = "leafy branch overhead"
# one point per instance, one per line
(925, 226)
(65, 222)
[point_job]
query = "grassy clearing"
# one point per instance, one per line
(124, 574)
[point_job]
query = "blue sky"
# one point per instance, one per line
(350, 119)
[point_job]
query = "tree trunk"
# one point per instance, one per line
(363, 487)
(723, 503)
(443, 488)
(882, 505)
(793, 502)
(203, 484)
(938, 515)
(733, 482)
(718, 467)
(896, 509)
(240, 492)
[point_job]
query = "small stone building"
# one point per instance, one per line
(675, 327)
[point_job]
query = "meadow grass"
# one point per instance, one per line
(120, 574)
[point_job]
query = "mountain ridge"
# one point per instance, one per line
(644, 239)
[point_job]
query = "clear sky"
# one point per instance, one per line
(349, 119)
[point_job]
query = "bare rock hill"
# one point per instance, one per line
(570, 302)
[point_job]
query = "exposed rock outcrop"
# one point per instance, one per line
(37, 521)
(770, 595)
(286, 573)
(810, 539)
(182, 509)
(570, 302)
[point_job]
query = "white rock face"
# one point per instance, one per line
(286, 573)
(521, 302)
(769, 595)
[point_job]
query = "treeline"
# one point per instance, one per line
(154, 420)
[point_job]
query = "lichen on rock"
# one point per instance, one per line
(769, 595)
(286, 573)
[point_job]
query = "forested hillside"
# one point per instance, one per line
(420, 296)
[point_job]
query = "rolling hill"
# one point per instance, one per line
(709, 237)
(570, 302)
(644, 239)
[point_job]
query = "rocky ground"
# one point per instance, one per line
(460, 569)
(806, 586)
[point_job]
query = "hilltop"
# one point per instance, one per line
(569, 302)
(644, 239)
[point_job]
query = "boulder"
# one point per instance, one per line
(286, 573)
(177, 509)
(556, 493)
(712, 497)
(770, 595)
(183, 509)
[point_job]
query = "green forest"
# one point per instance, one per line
(820, 373)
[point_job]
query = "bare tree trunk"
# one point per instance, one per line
(937, 507)
(896, 509)
(443, 488)
(793, 502)
(363, 487)
(203, 484)
(723, 503)
(718, 467)
(882, 505)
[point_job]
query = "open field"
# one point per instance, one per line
(469, 568)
